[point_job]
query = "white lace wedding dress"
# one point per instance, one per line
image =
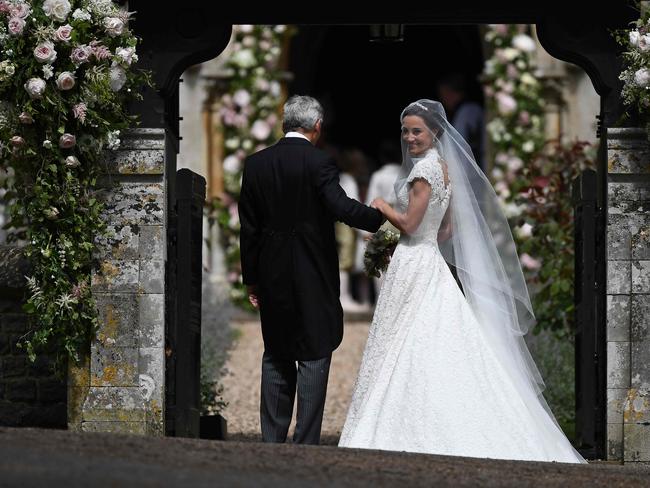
(428, 381)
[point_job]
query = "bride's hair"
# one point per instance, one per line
(430, 117)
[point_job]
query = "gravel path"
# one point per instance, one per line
(242, 382)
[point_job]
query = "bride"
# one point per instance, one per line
(445, 370)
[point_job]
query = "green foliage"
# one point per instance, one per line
(51, 154)
(549, 223)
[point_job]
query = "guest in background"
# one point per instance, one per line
(381, 185)
(465, 115)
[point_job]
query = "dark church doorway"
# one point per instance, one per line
(364, 85)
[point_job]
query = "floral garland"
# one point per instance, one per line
(248, 114)
(513, 95)
(66, 76)
(636, 59)
(535, 195)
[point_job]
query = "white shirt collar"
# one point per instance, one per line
(296, 134)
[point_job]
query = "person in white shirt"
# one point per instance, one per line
(381, 185)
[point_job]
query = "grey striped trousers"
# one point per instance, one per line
(280, 380)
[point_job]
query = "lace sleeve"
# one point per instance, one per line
(434, 172)
(423, 170)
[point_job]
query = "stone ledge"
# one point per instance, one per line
(142, 139)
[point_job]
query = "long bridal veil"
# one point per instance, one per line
(482, 250)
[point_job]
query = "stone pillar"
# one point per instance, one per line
(120, 386)
(628, 295)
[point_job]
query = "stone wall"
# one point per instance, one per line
(120, 386)
(30, 394)
(628, 295)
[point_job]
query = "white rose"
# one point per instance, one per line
(510, 53)
(642, 77)
(634, 38)
(52, 213)
(244, 58)
(126, 54)
(57, 9)
(525, 230)
(63, 33)
(528, 146)
(117, 77)
(45, 53)
(232, 143)
(113, 26)
(72, 162)
(524, 43)
(242, 97)
(35, 87)
(275, 89)
(231, 164)
(65, 81)
(47, 144)
(528, 79)
(260, 130)
(10, 69)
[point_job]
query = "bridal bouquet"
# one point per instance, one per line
(379, 250)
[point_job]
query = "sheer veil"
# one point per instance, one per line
(482, 250)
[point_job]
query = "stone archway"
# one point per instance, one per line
(181, 36)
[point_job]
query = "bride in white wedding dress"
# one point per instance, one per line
(445, 370)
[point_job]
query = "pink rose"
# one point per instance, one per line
(17, 141)
(35, 87)
(65, 81)
(45, 53)
(79, 112)
(66, 141)
(25, 118)
(4, 7)
(529, 262)
(80, 54)
(63, 33)
(16, 26)
(505, 103)
(21, 10)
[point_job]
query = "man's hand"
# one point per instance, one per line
(378, 203)
(252, 296)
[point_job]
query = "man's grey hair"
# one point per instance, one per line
(301, 112)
